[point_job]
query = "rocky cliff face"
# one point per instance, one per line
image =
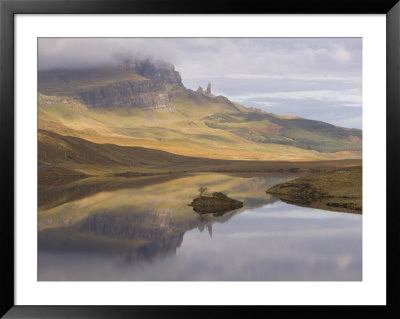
(148, 95)
(151, 94)
(141, 84)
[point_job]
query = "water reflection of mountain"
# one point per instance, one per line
(140, 223)
(52, 193)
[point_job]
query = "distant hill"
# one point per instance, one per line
(144, 104)
(302, 133)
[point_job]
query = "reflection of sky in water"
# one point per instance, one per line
(274, 242)
(301, 244)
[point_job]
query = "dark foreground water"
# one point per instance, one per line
(142, 229)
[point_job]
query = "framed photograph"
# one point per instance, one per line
(160, 154)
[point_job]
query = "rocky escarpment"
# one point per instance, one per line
(148, 94)
(141, 84)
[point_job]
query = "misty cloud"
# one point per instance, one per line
(318, 75)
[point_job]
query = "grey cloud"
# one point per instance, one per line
(57, 53)
(213, 56)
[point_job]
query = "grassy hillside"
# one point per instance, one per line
(302, 133)
(194, 105)
(72, 156)
(183, 132)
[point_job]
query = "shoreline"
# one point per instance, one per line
(209, 166)
(337, 190)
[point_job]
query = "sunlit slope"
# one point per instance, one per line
(306, 134)
(187, 131)
(73, 156)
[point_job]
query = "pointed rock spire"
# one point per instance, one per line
(208, 90)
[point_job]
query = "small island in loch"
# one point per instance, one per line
(336, 190)
(217, 203)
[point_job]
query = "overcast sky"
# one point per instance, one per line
(316, 78)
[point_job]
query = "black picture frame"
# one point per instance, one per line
(9, 8)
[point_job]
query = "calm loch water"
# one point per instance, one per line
(142, 229)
